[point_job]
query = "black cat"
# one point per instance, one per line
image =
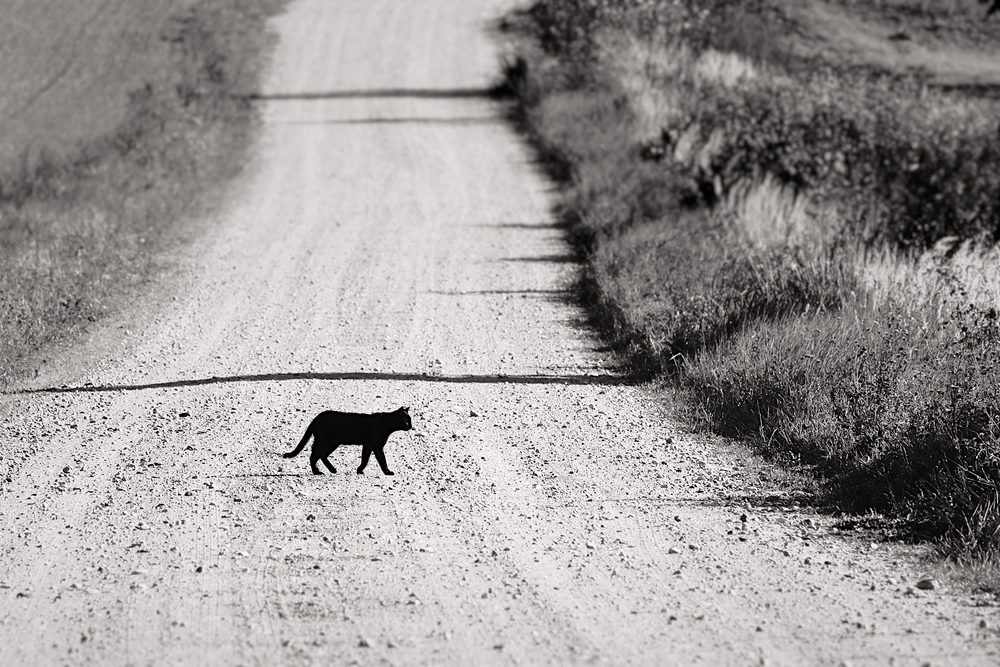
(332, 429)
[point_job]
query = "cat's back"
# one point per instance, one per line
(345, 427)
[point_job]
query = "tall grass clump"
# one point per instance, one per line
(809, 252)
(84, 230)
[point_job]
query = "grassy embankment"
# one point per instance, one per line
(120, 120)
(808, 251)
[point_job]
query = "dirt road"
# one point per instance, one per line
(393, 246)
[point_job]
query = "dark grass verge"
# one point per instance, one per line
(884, 397)
(82, 235)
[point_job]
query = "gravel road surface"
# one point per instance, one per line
(391, 246)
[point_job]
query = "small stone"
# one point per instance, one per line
(677, 518)
(984, 624)
(184, 414)
(928, 584)
(672, 550)
(363, 643)
(590, 545)
(693, 547)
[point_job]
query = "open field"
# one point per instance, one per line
(119, 120)
(68, 67)
(796, 229)
(948, 41)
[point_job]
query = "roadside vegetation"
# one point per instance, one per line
(807, 250)
(86, 218)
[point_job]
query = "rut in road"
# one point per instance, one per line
(393, 245)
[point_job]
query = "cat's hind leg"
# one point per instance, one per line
(366, 453)
(327, 463)
(313, 460)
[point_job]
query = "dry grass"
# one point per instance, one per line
(810, 254)
(150, 102)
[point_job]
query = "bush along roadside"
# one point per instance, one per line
(81, 235)
(809, 253)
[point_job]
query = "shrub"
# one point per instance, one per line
(809, 253)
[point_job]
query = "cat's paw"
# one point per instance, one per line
(388, 472)
(361, 472)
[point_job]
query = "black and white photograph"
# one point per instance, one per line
(500, 332)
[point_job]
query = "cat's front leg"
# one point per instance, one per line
(380, 457)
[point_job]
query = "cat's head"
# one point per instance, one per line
(404, 419)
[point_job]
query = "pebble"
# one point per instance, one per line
(928, 584)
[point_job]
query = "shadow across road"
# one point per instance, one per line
(462, 120)
(339, 377)
(361, 93)
(522, 292)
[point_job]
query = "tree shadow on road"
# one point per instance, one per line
(371, 93)
(348, 376)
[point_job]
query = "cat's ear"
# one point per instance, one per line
(406, 410)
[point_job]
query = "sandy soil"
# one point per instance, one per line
(393, 246)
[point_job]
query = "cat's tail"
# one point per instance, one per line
(302, 443)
